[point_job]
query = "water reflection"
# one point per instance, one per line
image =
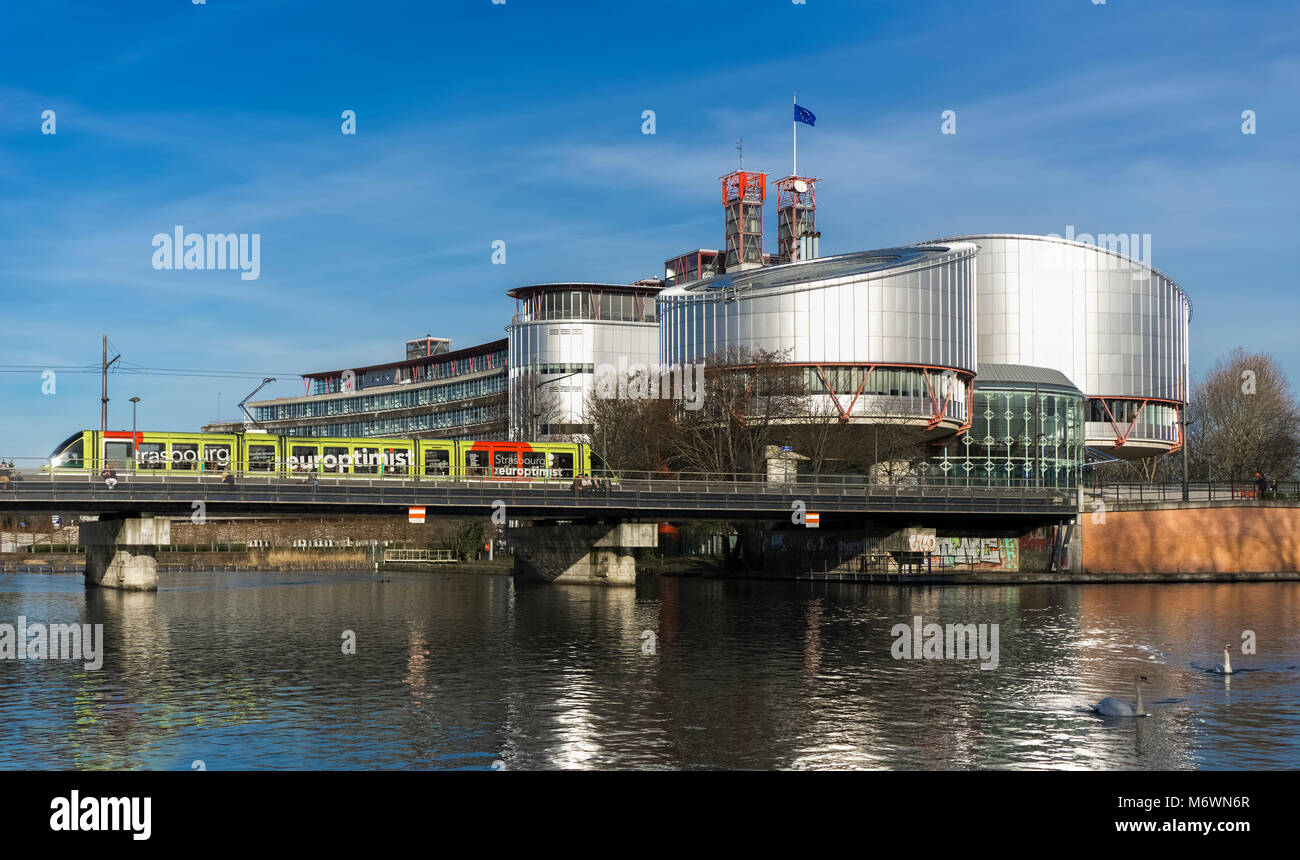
(458, 671)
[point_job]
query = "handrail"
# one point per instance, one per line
(680, 482)
(624, 499)
(1197, 491)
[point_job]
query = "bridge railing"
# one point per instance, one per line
(680, 482)
(1197, 491)
(658, 492)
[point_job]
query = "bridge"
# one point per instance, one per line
(573, 524)
(683, 497)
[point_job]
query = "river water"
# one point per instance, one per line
(248, 671)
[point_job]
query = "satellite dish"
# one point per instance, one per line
(800, 186)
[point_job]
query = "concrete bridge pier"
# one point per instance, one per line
(122, 553)
(579, 553)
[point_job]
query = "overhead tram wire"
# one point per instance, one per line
(143, 371)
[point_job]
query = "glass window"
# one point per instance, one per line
(216, 457)
(151, 456)
(561, 465)
(74, 454)
(185, 456)
(303, 458)
(261, 458)
(334, 459)
(532, 464)
(398, 461)
(437, 463)
(117, 454)
(476, 464)
(365, 461)
(505, 464)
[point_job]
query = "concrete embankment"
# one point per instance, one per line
(272, 560)
(1194, 541)
(981, 578)
(502, 566)
(1220, 541)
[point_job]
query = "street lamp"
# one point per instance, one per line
(1186, 422)
(537, 412)
(134, 443)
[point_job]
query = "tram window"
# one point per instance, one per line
(332, 459)
(303, 458)
(505, 464)
(532, 464)
(476, 464)
(261, 458)
(562, 465)
(151, 456)
(74, 454)
(185, 457)
(598, 465)
(365, 461)
(437, 463)
(397, 460)
(216, 457)
(117, 454)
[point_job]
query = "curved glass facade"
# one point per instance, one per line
(1019, 437)
(907, 314)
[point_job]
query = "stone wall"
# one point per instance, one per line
(1247, 537)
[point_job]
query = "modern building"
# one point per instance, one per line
(560, 334)
(1026, 430)
(435, 392)
(880, 335)
(1013, 356)
(1018, 356)
(1117, 328)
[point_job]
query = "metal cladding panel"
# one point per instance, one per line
(1112, 324)
(856, 309)
(577, 343)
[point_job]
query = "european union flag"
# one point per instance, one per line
(804, 115)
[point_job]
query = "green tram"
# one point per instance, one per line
(255, 453)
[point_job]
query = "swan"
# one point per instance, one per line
(1113, 707)
(1224, 668)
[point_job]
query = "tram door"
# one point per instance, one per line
(118, 451)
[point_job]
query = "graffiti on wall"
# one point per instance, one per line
(994, 553)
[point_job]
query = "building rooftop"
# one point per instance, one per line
(828, 268)
(1022, 375)
(478, 349)
(639, 287)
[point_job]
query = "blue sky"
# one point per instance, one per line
(522, 122)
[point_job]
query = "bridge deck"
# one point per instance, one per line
(628, 499)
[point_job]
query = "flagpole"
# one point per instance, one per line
(794, 126)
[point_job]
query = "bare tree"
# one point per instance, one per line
(533, 406)
(750, 400)
(822, 440)
(628, 434)
(1244, 420)
(897, 442)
